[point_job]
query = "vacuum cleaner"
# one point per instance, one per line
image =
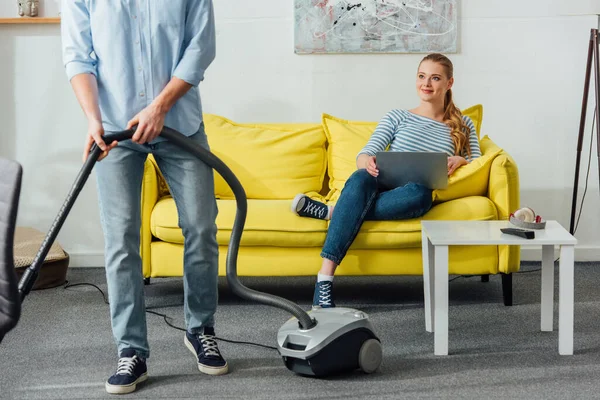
(318, 343)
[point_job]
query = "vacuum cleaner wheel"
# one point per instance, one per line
(370, 355)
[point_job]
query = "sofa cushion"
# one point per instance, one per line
(471, 179)
(347, 138)
(271, 223)
(407, 233)
(284, 126)
(271, 161)
(268, 223)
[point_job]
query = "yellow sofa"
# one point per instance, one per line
(274, 162)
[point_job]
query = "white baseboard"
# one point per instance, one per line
(86, 260)
(582, 253)
(587, 253)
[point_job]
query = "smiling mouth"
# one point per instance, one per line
(427, 91)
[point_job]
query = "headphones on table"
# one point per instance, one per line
(526, 218)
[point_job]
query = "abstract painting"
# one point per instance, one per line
(375, 26)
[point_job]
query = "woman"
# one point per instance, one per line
(436, 124)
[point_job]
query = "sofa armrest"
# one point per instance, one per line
(504, 192)
(149, 198)
(503, 186)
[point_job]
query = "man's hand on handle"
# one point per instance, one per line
(94, 135)
(150, 122)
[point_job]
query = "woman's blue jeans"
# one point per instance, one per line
(362, 200)
(119, 181)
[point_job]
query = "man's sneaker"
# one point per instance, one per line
(131, 370)
(205, 349)
(304, 206)
(323, 297)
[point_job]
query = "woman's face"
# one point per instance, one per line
(432, 82)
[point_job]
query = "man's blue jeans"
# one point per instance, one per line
(119, 181)
(361, 200)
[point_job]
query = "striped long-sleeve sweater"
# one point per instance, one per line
(406, 131)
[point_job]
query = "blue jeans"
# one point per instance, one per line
(119, 181)
(361, 200)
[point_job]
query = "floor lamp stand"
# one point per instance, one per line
(593, 58)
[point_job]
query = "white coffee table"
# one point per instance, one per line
(438, 235)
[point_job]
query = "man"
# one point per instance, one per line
(139, 63)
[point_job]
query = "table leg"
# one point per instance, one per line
(566, 289)
(547, 288)
(441, 300)
(428, 281)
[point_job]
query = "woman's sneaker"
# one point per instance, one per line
(204, 346)
(323, 297)
(304, 206)
(131, 370)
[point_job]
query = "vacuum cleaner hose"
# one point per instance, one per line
(26, 283)
(238, 227)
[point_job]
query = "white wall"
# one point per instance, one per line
(524, 61)
(47, 8)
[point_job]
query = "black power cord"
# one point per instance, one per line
(168, 319)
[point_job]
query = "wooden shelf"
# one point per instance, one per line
(30, 20)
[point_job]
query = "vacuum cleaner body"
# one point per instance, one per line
(342, 340)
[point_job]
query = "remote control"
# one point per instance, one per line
(524, 233)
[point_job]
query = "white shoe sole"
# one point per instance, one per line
(205, 369)
(124, 389)
(295, 203)
(314, 308)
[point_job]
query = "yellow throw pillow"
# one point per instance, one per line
(471, 179)
(346, 138)
(271, 162)
(487, 145)
(476, 114)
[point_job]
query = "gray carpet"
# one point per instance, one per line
(63, 346)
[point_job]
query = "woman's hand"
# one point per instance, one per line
(94, 135)
(371, 166)
(150, 122)
(369, 163)
(454, 163)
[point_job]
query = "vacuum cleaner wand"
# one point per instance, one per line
(31, 273)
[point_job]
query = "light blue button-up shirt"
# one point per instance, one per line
(134, 48)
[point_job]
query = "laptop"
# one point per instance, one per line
(397, 168)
